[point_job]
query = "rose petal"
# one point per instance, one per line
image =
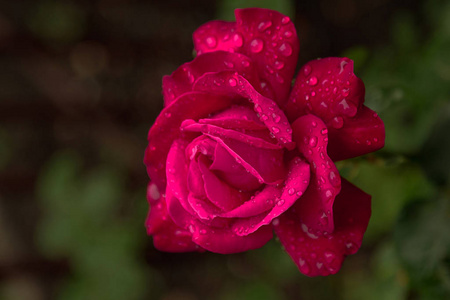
(234, 173)
(359, 135)
(235, 86)
(167, 236)
(261, 202)
(236, 117)
(225, 241)
(323, 255)
(218, 193)
(182, 79)
(228, 134)
(315, 207)
(327, 88)
(167, 124)
(177, 173)
(295, 185)
(266, 36)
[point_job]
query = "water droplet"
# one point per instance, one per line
(264, 118)
(280, 202)
(307, 70)
(275, 129)
(345, 92)
(313, 94)
(329, 194)
(285, 49)
(264, 25)
(278, 65)
(291, 191)
(324, 131)
(329, 256)
(202, 231)
(232, 81)
(306, 97)
(285, 20)
(338, 122)
(229, 65)
(313, 141)
(276, 222)
(304, 267)
(276, 118)
(351, 247)
(335, 181)
(312, 81)
(343, 64)
(245, 63)
(258, 108)
(211, 42)
(288, 34)
(238, 41)
(256, 45)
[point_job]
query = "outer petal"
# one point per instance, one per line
(167, 124)
(327, 88)
(315, 207)
(182, 79)
(167, 236)
(266, 36)
(235, 86)
(359, 135)
(323, 255)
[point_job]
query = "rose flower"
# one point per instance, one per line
(237, 153)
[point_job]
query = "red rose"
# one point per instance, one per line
(236, 153)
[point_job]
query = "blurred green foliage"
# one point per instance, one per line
(83, 219)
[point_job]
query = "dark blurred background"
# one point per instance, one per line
(80, 85)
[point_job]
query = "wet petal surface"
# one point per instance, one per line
(317, 255)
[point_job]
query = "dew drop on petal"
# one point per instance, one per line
(275, 129)
(288, 34)
(291, 191)
(232, 82)
(238, 41)
(313, 141)
(264, 25)
(278, 65)
(256, 45)
(312, 81)
(338, 122)
(211, 42)
(307, 70)
(285, 20)
(285, 49)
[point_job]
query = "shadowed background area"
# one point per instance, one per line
(80, 85)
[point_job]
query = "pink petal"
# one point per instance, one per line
(177, 174)
(359, 135)
(182, 79)
(259, 203)
(323, 255)
(166, 128)
(225, 241)
(167, 236)
(219, 193)
(217, 36)
(266, 36)
(236, 117)
(315, 207)
(327, 88)
(295, 185)
(196, 186)
(235, 86)
(234, 173)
